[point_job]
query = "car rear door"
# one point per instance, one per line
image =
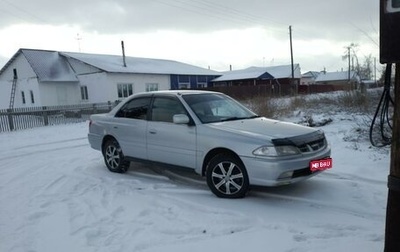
(168, 142)
(130, 125)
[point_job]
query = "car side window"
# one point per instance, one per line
(135, 109)
(164, 109)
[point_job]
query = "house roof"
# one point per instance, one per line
(244, 74)
(336, 76)
(310, 74)
(114, 64)
(47, 65)
(54, 65)
(275, 72)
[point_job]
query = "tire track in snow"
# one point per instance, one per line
(8, 157)
(178, 178)
(352, 177)
(50, 143)
(320, 204)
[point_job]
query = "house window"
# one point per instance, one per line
(84, 93)
(184, 81)
(125, 90)
(201, 81)
(32, 97)
(23, 97)
(184, 86)
(151, 87)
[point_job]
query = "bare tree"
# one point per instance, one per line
(366, 69)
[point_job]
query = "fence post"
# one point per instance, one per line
(45, 116)
(10, 119)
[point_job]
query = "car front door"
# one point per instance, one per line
(168, 142)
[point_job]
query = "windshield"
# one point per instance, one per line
(212, 107)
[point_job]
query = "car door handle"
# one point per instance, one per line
(153, 131)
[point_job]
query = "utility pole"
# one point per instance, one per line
(392, 232)
(291, 59)
(376, 84)
(79, 38)
(348, 56)
(390, 53)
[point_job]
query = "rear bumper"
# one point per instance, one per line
(95, 141)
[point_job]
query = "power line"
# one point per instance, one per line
(220, 12)
(241, 13)
(23, 11)
(198, 10)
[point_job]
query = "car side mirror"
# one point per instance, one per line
(180, 119)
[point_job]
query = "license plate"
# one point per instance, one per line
(321, 165)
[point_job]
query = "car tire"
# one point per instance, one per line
(227, 176)
(114, 158)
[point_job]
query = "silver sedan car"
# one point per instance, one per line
(211, 133)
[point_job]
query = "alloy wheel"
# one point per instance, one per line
(227, 178)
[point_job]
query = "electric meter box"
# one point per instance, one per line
(389, 31)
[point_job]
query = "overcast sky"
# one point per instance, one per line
(207, 33)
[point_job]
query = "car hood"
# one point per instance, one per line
(263, 128)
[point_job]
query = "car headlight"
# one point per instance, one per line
(275, 151)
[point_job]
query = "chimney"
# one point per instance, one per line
(123, 53)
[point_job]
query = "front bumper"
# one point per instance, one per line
(276, 171)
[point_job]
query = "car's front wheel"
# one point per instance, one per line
(114, 158)
(227, 177)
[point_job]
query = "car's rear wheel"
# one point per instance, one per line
(227, 177)
(114, 158)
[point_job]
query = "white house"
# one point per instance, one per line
(309, 78)
(48, 78)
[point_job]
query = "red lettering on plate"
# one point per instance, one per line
(321, 165)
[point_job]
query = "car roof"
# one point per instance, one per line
(175, 92)
(162, 92)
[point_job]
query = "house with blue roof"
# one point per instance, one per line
(34, 78)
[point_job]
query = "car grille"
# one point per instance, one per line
(301, 173)
(306, 143)
(313, 146)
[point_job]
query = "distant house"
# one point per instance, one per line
(277, 79)
(47, 78)
(339, 79)
(309, 78)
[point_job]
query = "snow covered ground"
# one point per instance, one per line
(57, 195)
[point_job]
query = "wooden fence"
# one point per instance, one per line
(23, 118)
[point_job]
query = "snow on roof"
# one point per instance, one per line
(275, 72)
(310, 74)
(49, 66)
(243, 74)
(53, 66)
(114, 63)
(336, 76)
(284, 71)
